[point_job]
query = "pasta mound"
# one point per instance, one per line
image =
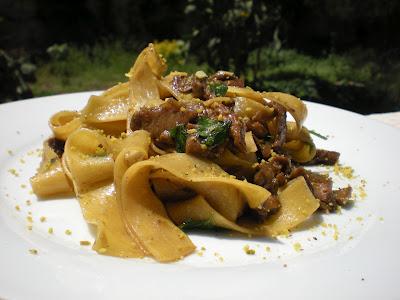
(158, 155)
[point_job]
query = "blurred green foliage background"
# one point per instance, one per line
(339, 52)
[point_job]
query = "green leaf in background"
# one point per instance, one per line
(179, 135)
(212, 132)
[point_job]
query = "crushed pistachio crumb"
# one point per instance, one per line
(28, 202)
(17, 208)
(200, 74)
(33, 251)
(361, 192)
(255, 165)
(10, 152)
(336, 232)
(345, 171)
(249, 251)
(359, 219)
(100, 150)
(50, 230)
(68, 232)
(85, 243)
(13, 172)
(30, 227)
(42, 219)
(21, 160)
(29, 219)
(217, 255)
(23, 186)
(336, 235)
(297, 247)
(268, 249)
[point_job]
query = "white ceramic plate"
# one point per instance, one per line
(349, 255)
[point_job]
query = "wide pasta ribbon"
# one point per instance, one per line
(64, 123)
(88, 160)
(297, 201)
(107, 114)
(147, 219)
(292, 104)
(51, 180)
(144, 81)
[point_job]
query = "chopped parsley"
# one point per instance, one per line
(318, 134)
(179, 135)
(212, 132)
(218, 89)
(192, 224)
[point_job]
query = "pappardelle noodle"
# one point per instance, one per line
(159, 154)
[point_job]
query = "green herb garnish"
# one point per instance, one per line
(212, 132)
(318, 134)
(192, 224)
(219, 89)
(179, 135)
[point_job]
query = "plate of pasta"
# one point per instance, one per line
(197, 185)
